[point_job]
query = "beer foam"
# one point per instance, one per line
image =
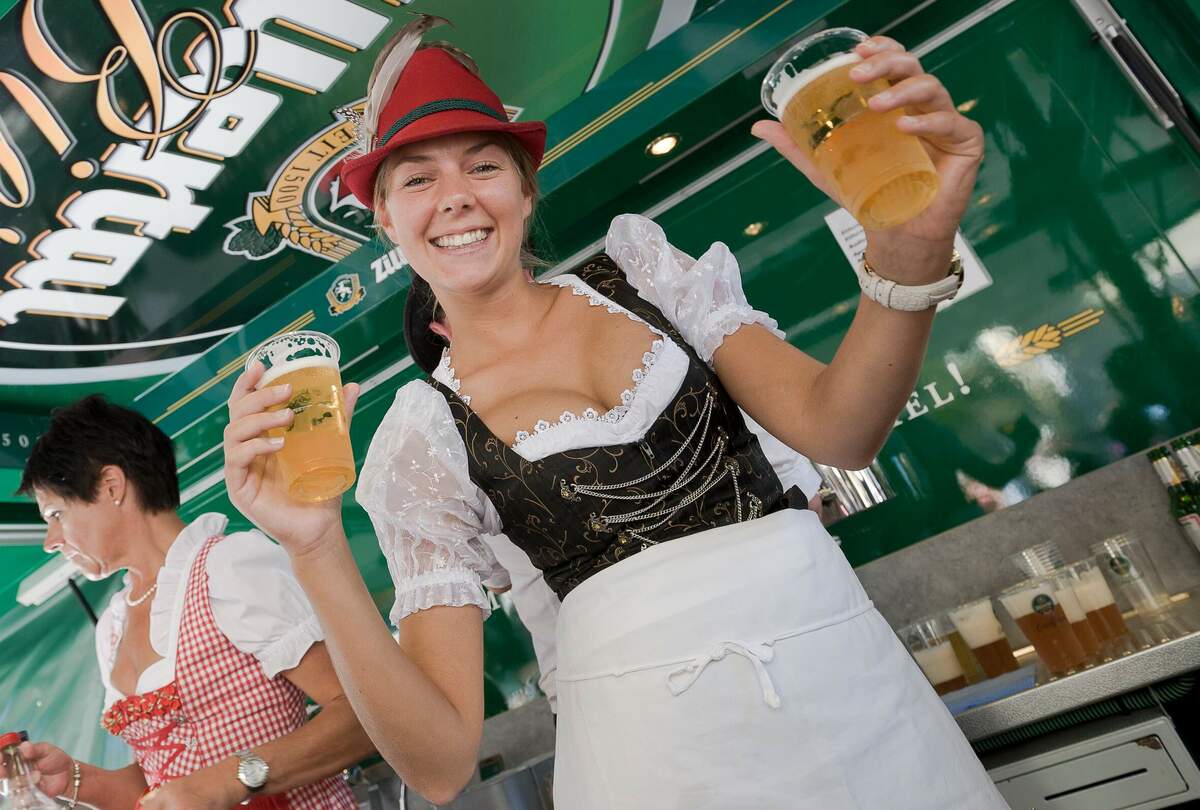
(1070, 604)
(939, 663)
(977, 624)
(1019, 603)
(1092, 590)
(275, 372)
(790, 85)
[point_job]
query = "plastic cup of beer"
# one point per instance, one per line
(1097, 601)
(1064, 582)
(316, 462)
(977, 623)
(929, 642)
(1036, 607)
(966, 659)
(883, 176)
(1127, 563)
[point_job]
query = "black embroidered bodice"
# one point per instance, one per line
(579, 511)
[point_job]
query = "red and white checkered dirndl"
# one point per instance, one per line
(220, 703)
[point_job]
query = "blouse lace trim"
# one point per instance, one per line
(446, 370)
(613, 415)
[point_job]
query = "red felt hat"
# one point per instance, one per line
(435, 95)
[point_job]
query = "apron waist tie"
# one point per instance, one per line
(758, 654)
(682, 679)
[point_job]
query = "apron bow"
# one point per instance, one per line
(682, 679)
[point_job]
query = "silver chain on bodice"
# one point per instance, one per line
(653, 514)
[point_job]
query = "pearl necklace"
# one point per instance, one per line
(142, 598)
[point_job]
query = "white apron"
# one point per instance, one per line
(744, 667)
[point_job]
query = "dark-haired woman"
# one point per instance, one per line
(714, 648)
(209, 651)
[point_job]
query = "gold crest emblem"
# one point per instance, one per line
(344, 293)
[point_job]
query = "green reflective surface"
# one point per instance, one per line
(1083, 205)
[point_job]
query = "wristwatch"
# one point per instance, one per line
(910, 298)
(252, 771)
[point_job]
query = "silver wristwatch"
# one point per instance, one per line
(252, 771)
(910, 298)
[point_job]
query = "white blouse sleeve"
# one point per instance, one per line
(428, 514)
(702, 298)
(257, 602)
(109, 628)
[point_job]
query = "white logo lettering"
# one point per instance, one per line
(388, 264)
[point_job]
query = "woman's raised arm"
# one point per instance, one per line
(841, 413)
(420, 701)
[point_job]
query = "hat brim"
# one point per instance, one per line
(359, 173)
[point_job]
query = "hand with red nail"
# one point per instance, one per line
(918, 251)
(252, 473)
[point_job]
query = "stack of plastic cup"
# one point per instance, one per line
(1039, 560)
(1127, 563)
(1129, 566)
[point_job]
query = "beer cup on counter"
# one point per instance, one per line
(1036, 608)
(929, 642)
(977, 623)
(883, 176)
(966, 659)
(1096, 599)
(1064, 583)
(1126, 561)
(316, 461)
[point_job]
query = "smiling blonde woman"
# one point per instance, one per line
(714, 647)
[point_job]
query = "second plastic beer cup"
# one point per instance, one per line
(316, 461)
(980, 628)
(1097, 601)
(929, 642)
(883, 176)
(1037, 610)
(1064, 584)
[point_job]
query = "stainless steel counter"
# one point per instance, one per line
(1126, 674)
